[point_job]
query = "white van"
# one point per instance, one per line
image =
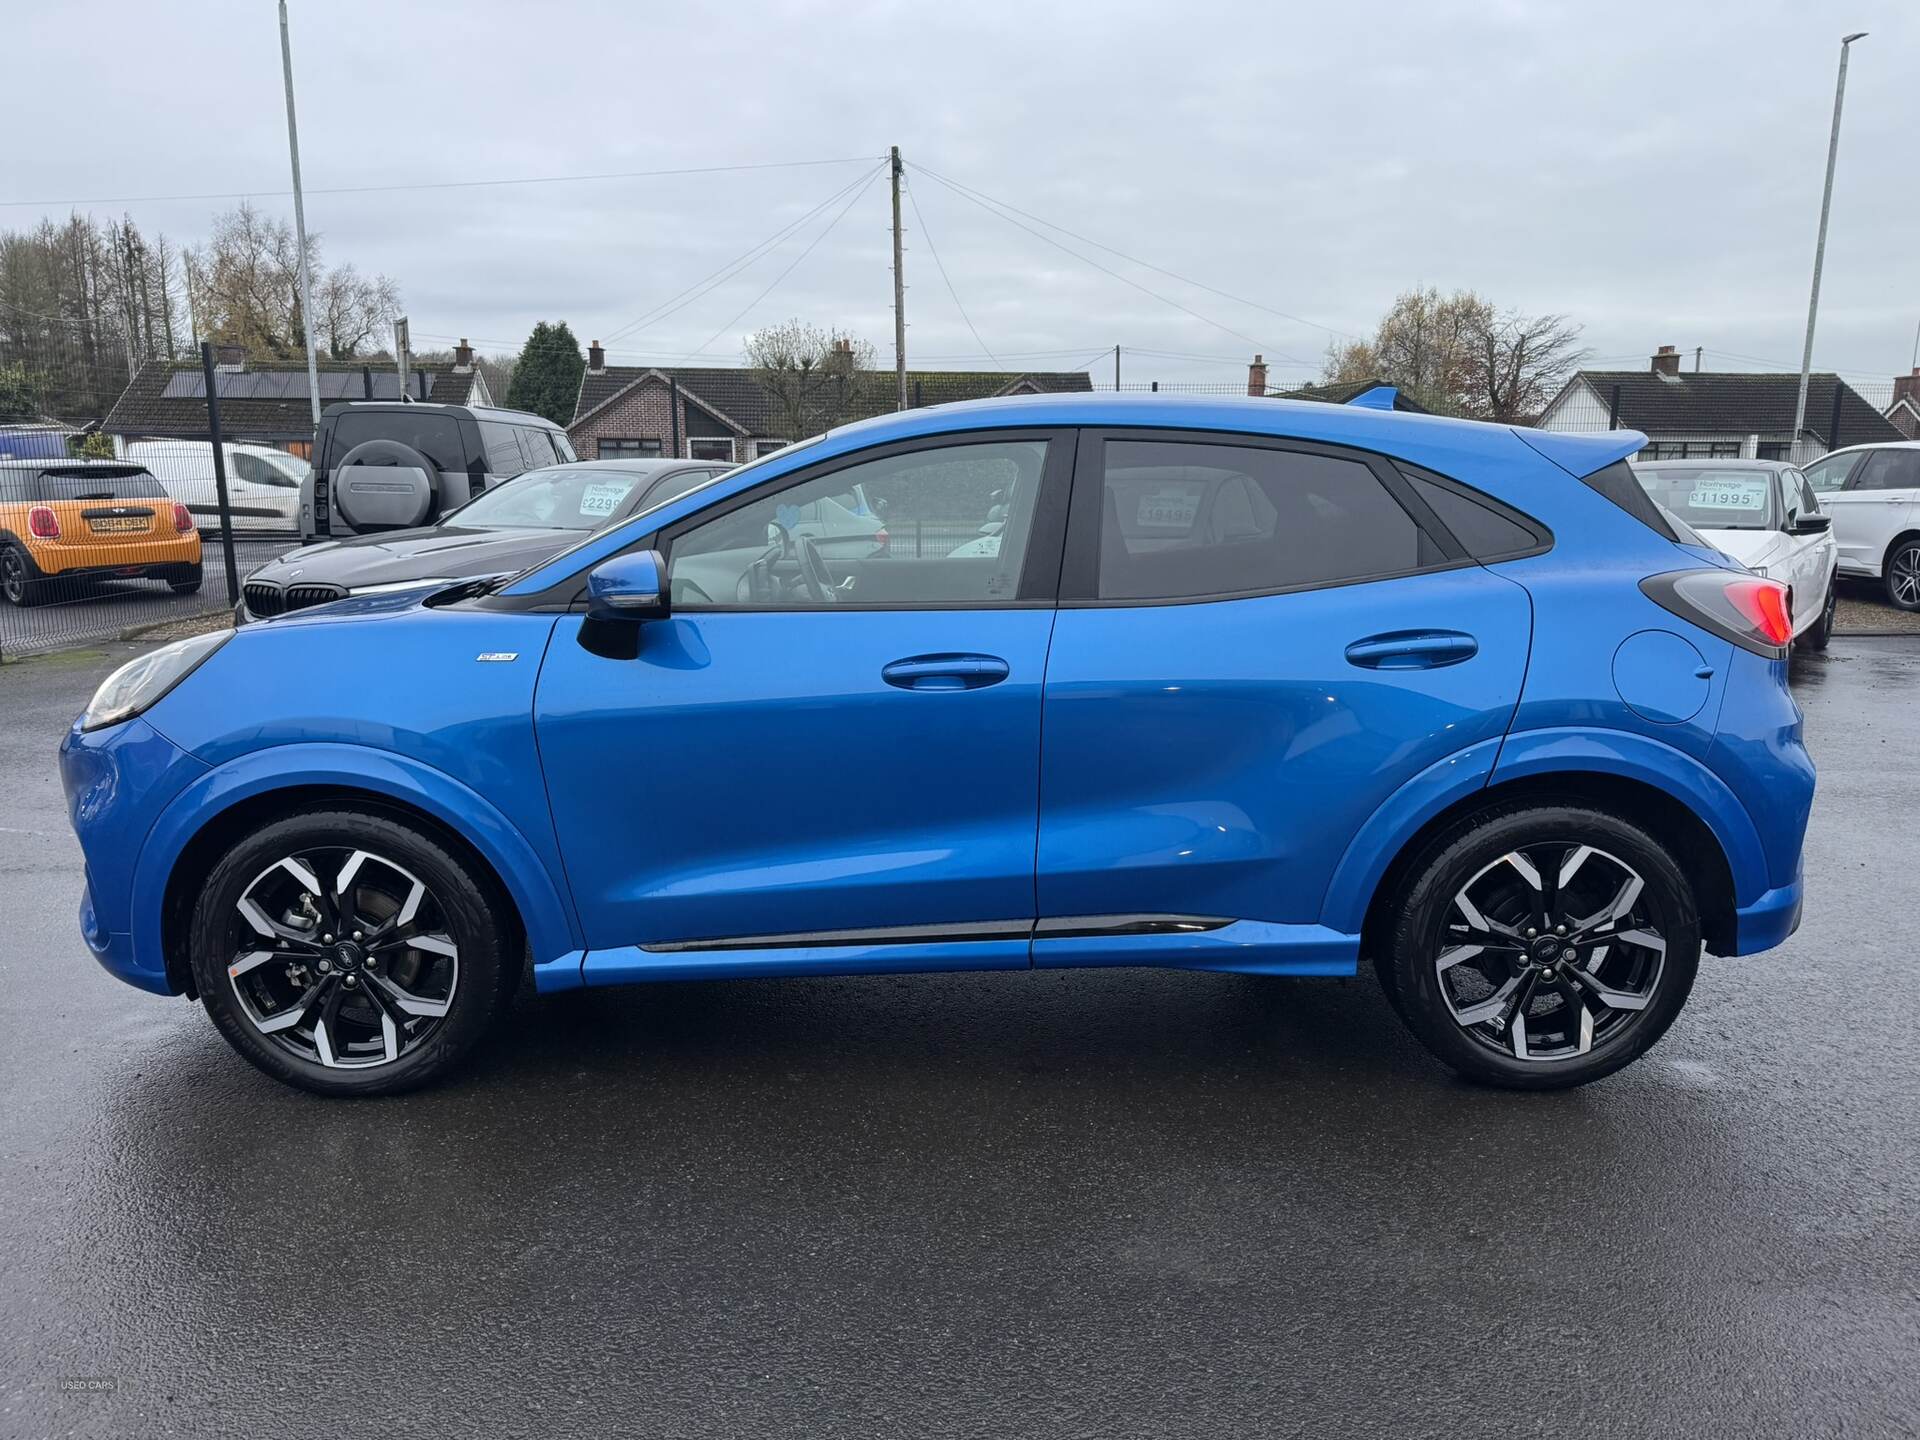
(263, 484)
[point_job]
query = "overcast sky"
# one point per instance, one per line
(1651, 170)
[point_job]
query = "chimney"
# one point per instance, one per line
(1257, 376)
(230, 358)
(463, 357)
(1666, 361)
(840, 359)
(1906, 387)
(596, 359)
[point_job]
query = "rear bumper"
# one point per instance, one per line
(1769, 920)
(102, 562)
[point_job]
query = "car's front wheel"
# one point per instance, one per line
(351, 954)
(1540, 946)
(1821, 631)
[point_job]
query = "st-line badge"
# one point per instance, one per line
(498, 655)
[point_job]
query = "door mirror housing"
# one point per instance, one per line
(1810, 525)
(630, 587)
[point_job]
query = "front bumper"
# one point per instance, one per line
(118, 782)
(1769, 920)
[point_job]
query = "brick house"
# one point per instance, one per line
(1904, 413)
(723, 413)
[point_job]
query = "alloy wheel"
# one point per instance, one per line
(1549, 952)
(1903, 577)
(342, 958)
(13, 576)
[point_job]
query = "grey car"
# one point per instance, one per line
(511, 526)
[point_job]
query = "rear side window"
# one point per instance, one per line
(1486, 529)
(106, 482)
(1618, 483)
(1183, 520)
(678, 484)
(435, 435)
(539, 448)
(505, 459)
(1888, 470)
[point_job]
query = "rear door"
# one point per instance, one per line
(1257, 644)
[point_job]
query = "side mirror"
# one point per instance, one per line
(631, 587)
(1812, 525)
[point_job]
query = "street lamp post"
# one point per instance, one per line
(1820, 245)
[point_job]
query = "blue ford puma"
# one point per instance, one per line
(1222, 685)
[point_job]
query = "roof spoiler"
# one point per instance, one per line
(1379, 397)
(1580, 455)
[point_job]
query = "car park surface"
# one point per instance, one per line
(1101, 1202)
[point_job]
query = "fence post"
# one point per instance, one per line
(1613, 410)
(220, 468)
(1833, 425)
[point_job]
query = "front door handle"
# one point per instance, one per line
(1412, 650)
(945, 672)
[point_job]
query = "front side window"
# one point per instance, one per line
(944, 526)
(537, 445)
(557, 498)
(1832, 473)
(1182, 520)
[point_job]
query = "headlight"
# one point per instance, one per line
(397, 585)
(138, 684)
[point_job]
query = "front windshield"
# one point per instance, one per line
(1708, 497)
(561, 497)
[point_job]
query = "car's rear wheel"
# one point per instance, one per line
(1541, 946)
(1902, 572)
(186, 581)
(20, 582)
(351, 954)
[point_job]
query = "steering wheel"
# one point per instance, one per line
(813, 572)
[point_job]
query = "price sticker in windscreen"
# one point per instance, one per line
(600, 499)
(1171, 507)
(1731, 493)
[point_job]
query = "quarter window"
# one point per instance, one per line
(1484, 531)
(946, 526)
(1180, 520)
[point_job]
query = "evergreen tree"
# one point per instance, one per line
(547, 379)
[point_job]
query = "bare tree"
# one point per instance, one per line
(1459, 355)
(816, 378)
(354, 309)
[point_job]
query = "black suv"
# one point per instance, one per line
(387, 465)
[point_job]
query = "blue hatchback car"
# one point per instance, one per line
(1059, 681)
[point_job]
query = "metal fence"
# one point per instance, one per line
(102, 534)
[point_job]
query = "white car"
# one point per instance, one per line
(1873, 494)
(263, 484)
(1764, 514)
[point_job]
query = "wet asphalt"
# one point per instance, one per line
(1049, 1204)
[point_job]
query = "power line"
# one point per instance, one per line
(675, 303)
(772, 284)
(933, 250)
(1103, 269)
(443, 184)
(1149, 265)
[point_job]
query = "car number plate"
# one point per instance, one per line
(118, 522)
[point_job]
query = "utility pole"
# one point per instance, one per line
(899, 291)
(402, 352)
(1116, 369)
(300, 221)
(1820, 245)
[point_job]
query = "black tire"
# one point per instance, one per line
(1821, 631)
(1901, 573)
(1426, 919)
(187, 582)
(20, 582)
(477, 920)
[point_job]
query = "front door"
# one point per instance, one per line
(1257, 645)
(828, 758)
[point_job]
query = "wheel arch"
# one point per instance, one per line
(202, 823)
(1904, 537)
(1692, 842)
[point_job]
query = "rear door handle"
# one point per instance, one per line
(945, 672)
(1412, 650)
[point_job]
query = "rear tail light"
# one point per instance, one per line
(42, 523)
(881, 540)
(1750, 611)
(182, 518)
